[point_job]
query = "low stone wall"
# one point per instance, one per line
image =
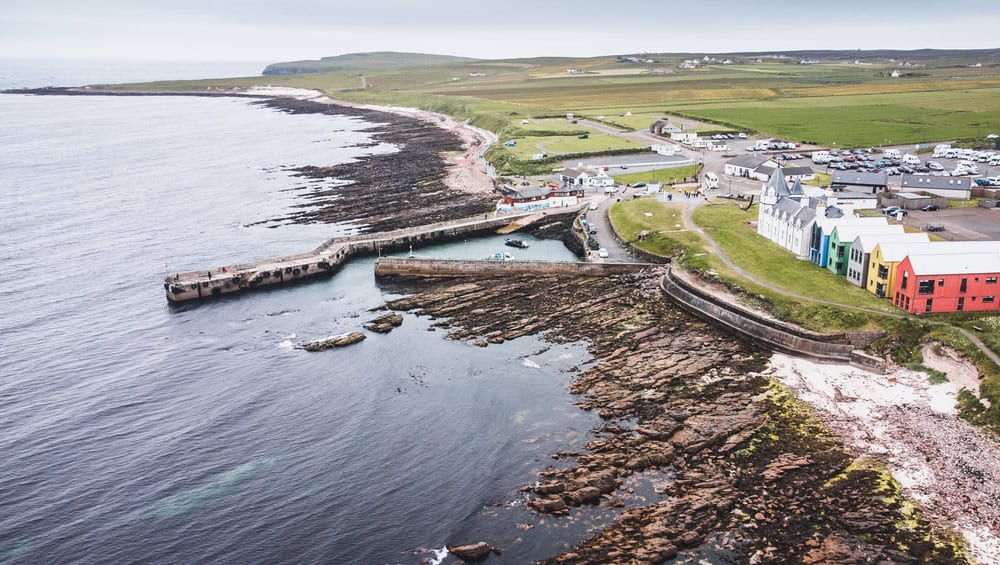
(413, 267)
(772, 334)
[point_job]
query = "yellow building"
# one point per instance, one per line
(886, 257)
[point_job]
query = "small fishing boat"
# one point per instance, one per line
(519, 243)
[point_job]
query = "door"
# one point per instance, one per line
(961, 303)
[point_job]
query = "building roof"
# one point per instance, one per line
(796, 189)
(860, 179)
(867, 242)
(850, 232)
(894, 252)
(799, 171)
(748, 161)
(768, 171)
(936, 183)
(523, 192)
(776, 182)
(955, 264)
(574, 173)
(833, 222)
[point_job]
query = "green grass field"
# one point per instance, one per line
(665, 176)
(668, 236)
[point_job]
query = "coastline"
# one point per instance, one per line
(703, 455)
(435, 175)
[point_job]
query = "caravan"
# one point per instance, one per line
(891, 154)
(941, 150)
(711, 180)
(821, 157)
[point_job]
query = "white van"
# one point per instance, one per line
(891, 154)
(912, 160)
(821, 157)
(941, 150)
(994, 160)
(711, 180)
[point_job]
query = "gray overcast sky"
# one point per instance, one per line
(257, 30)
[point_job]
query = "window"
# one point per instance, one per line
(991, 280)
(940, 282)
(925, 287)
(989, 299)
(928, 308)
(963, 286)
(905, 277)
(883, 272)
(840, 252)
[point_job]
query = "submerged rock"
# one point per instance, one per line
(342, 340)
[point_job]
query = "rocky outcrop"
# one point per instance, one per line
(385, 324)
(740, 467)
(342, 340)
(473, 552)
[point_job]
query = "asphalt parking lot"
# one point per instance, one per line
(960, 224)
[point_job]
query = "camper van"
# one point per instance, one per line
(821, 157)
(711, 180)
(941, 150)
(912, 160)
(891, 154)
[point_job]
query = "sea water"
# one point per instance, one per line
(133, 430)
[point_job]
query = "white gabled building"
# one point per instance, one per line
(784, 215)
(601, 179)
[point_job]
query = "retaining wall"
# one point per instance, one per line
(772, 334)
(414, 267)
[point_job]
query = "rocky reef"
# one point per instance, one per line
(747, 472)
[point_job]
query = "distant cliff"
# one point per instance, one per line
(362, 62)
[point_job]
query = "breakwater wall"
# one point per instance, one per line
(415, 267)
(325, 259)
(773, 334)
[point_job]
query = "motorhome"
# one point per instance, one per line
(711, 180)
(994, 160)
(912, 160)
(891, 154)
(941, 150)
(821, 157)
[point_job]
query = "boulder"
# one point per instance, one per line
(473, 551)
(342, 340)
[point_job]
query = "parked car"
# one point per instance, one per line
(934, 227)
(742, 135)
(983, 182)
(935, 166)
(593, 206)
(638, 185)
(602, 252)
(931, 208)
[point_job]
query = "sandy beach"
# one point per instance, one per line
(466, 170)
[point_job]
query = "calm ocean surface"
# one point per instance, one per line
(137, 431)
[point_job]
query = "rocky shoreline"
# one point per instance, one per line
(747, 472)
(406, 188)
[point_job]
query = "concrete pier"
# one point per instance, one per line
(325, 259)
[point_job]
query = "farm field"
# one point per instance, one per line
(830, 103)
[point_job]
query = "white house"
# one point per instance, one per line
(683, 136)
(743, 166)
(601, 179)
(700, 143)
(574, 177)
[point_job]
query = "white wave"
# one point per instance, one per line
(439, 555)
(531, 364)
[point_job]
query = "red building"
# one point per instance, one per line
(948, 283)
